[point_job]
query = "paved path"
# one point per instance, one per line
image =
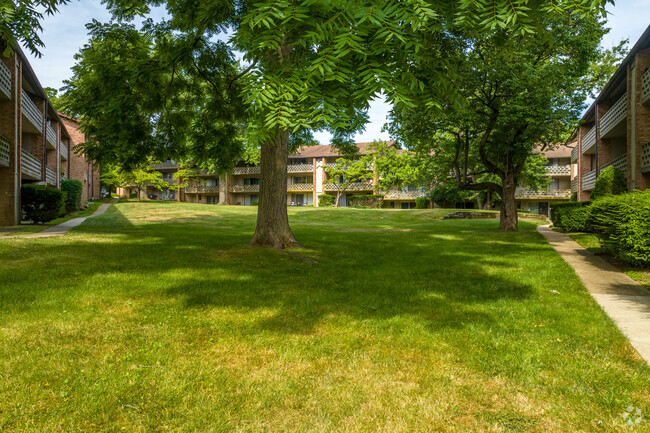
(622, 298)
(63, 228)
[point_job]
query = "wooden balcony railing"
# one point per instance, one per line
(244, 188)
(5, 151)
(645, 87)
(30, 165)
(5, 80)
(63, 149)
(300, 187)
(50, 176)
(297, 168)
(50, 135)
(32, 113)
(614, 116)
(356, 186)
(589, 180)
(620, 163)
(558, 170)
(543, 194)
(246, 170)
(202, 189)
(403, 195)
(589, 140)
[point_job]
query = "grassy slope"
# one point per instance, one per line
(158, 317)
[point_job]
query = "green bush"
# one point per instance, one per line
(574, 197)
(42, 203)
(365, 201)
(622, 222)
(611, 181)
(72, 188)
(421, 203)
(326, 200)
(572, 216)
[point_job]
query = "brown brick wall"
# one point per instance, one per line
(9, 123)
(642, 132)
(80, 168)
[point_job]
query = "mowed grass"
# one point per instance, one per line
(156, 317)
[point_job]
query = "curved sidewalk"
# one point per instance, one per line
(622, 298)
(63, 228)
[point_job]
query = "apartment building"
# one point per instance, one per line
(561, 172)
(615, 130)
(35, 144)
(306, 180)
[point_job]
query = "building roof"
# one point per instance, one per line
(327, 150)
(559, 151)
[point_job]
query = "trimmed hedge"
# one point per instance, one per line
(611, 181)
(572, 216)
(326, 200)
(622, 222)
(72, 188)
(42, 203)
(374, 200)
(421, 203)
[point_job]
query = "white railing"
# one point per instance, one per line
(300, 187)
(293, 168)
(5, 79)
(246, 170)
(30, 165)
(589, 140)
(244, 188)
(620, 163)
(574, 154)
(645, 157)
(589, 180)
(574, 185)
(64, 151)
(5, 151)
(355, 186)
(547, 193)
(31, 112)
(403, 195)
(645, 87)
(50, 176)
(50, 135)
(614, 116)
(558, 170)
(202, 189)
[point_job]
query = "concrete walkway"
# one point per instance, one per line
(622, 298)
(63, 228)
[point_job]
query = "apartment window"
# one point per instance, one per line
(296, 161)
(251, 181)
(211, 199)
(302, 179)
(554, 185)
(212, 182)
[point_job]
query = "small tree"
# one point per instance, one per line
(140, 177)
(109, 178)
(346, 172)
(183, 178)
(610, 182)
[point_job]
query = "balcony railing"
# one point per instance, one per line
(589, 180)
(165, 165)
(295, 168)
(645, 158)
(574, 154)
(50, 135)
(32, 113)
(30, 165)
(300, 187)
(558, 170)
(589, 140)
(356, 186)
(171, 180)
(63, 149)
(5, 80)
(574, 185)
(50, 176)
(614, 116)
(244, 188)
(645, 87)
(203, 189)
(5, 151)
(543, 194)
(620, 163)
(403, 195)
(246, 170)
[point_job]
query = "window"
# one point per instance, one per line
(212, 199)
(251, 181)
(212, 182)
(296, 161)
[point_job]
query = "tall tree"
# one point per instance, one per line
(20, 22)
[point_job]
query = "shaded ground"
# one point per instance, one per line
(158, 317)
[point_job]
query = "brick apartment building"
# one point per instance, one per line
(615, 130)
(36, 144)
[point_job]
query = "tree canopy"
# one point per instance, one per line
(20, 22)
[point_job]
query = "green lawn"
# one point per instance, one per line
(158, 317)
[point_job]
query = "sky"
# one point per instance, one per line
(65, 33)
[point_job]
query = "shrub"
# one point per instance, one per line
(72, 188)
(611, 181)
(574, 197)
(42, 203)
(572, 216)
(444, 193)
(326, 200)
(622, 222)
(363, 201)
(421, 203)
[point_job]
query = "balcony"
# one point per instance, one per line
(403, 195)
(50, 176)
(166, 165)
(620, 163)
(5, 81)
(50, 135)
(300, 187)
(645, 87)
(202, 189)
(574, 185)
(5, 151)
(645, 158)
(63, 150)
(32, 115)
(244, 188)
(589, 180)
(246, 170)
(613, 118)
(355, 186)
(298, 168)
(523, 193)
(574, 155)
(558, 170)
(30, 166)
(588, 141)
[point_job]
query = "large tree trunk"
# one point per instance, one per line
(508, 221)
(272, 228)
